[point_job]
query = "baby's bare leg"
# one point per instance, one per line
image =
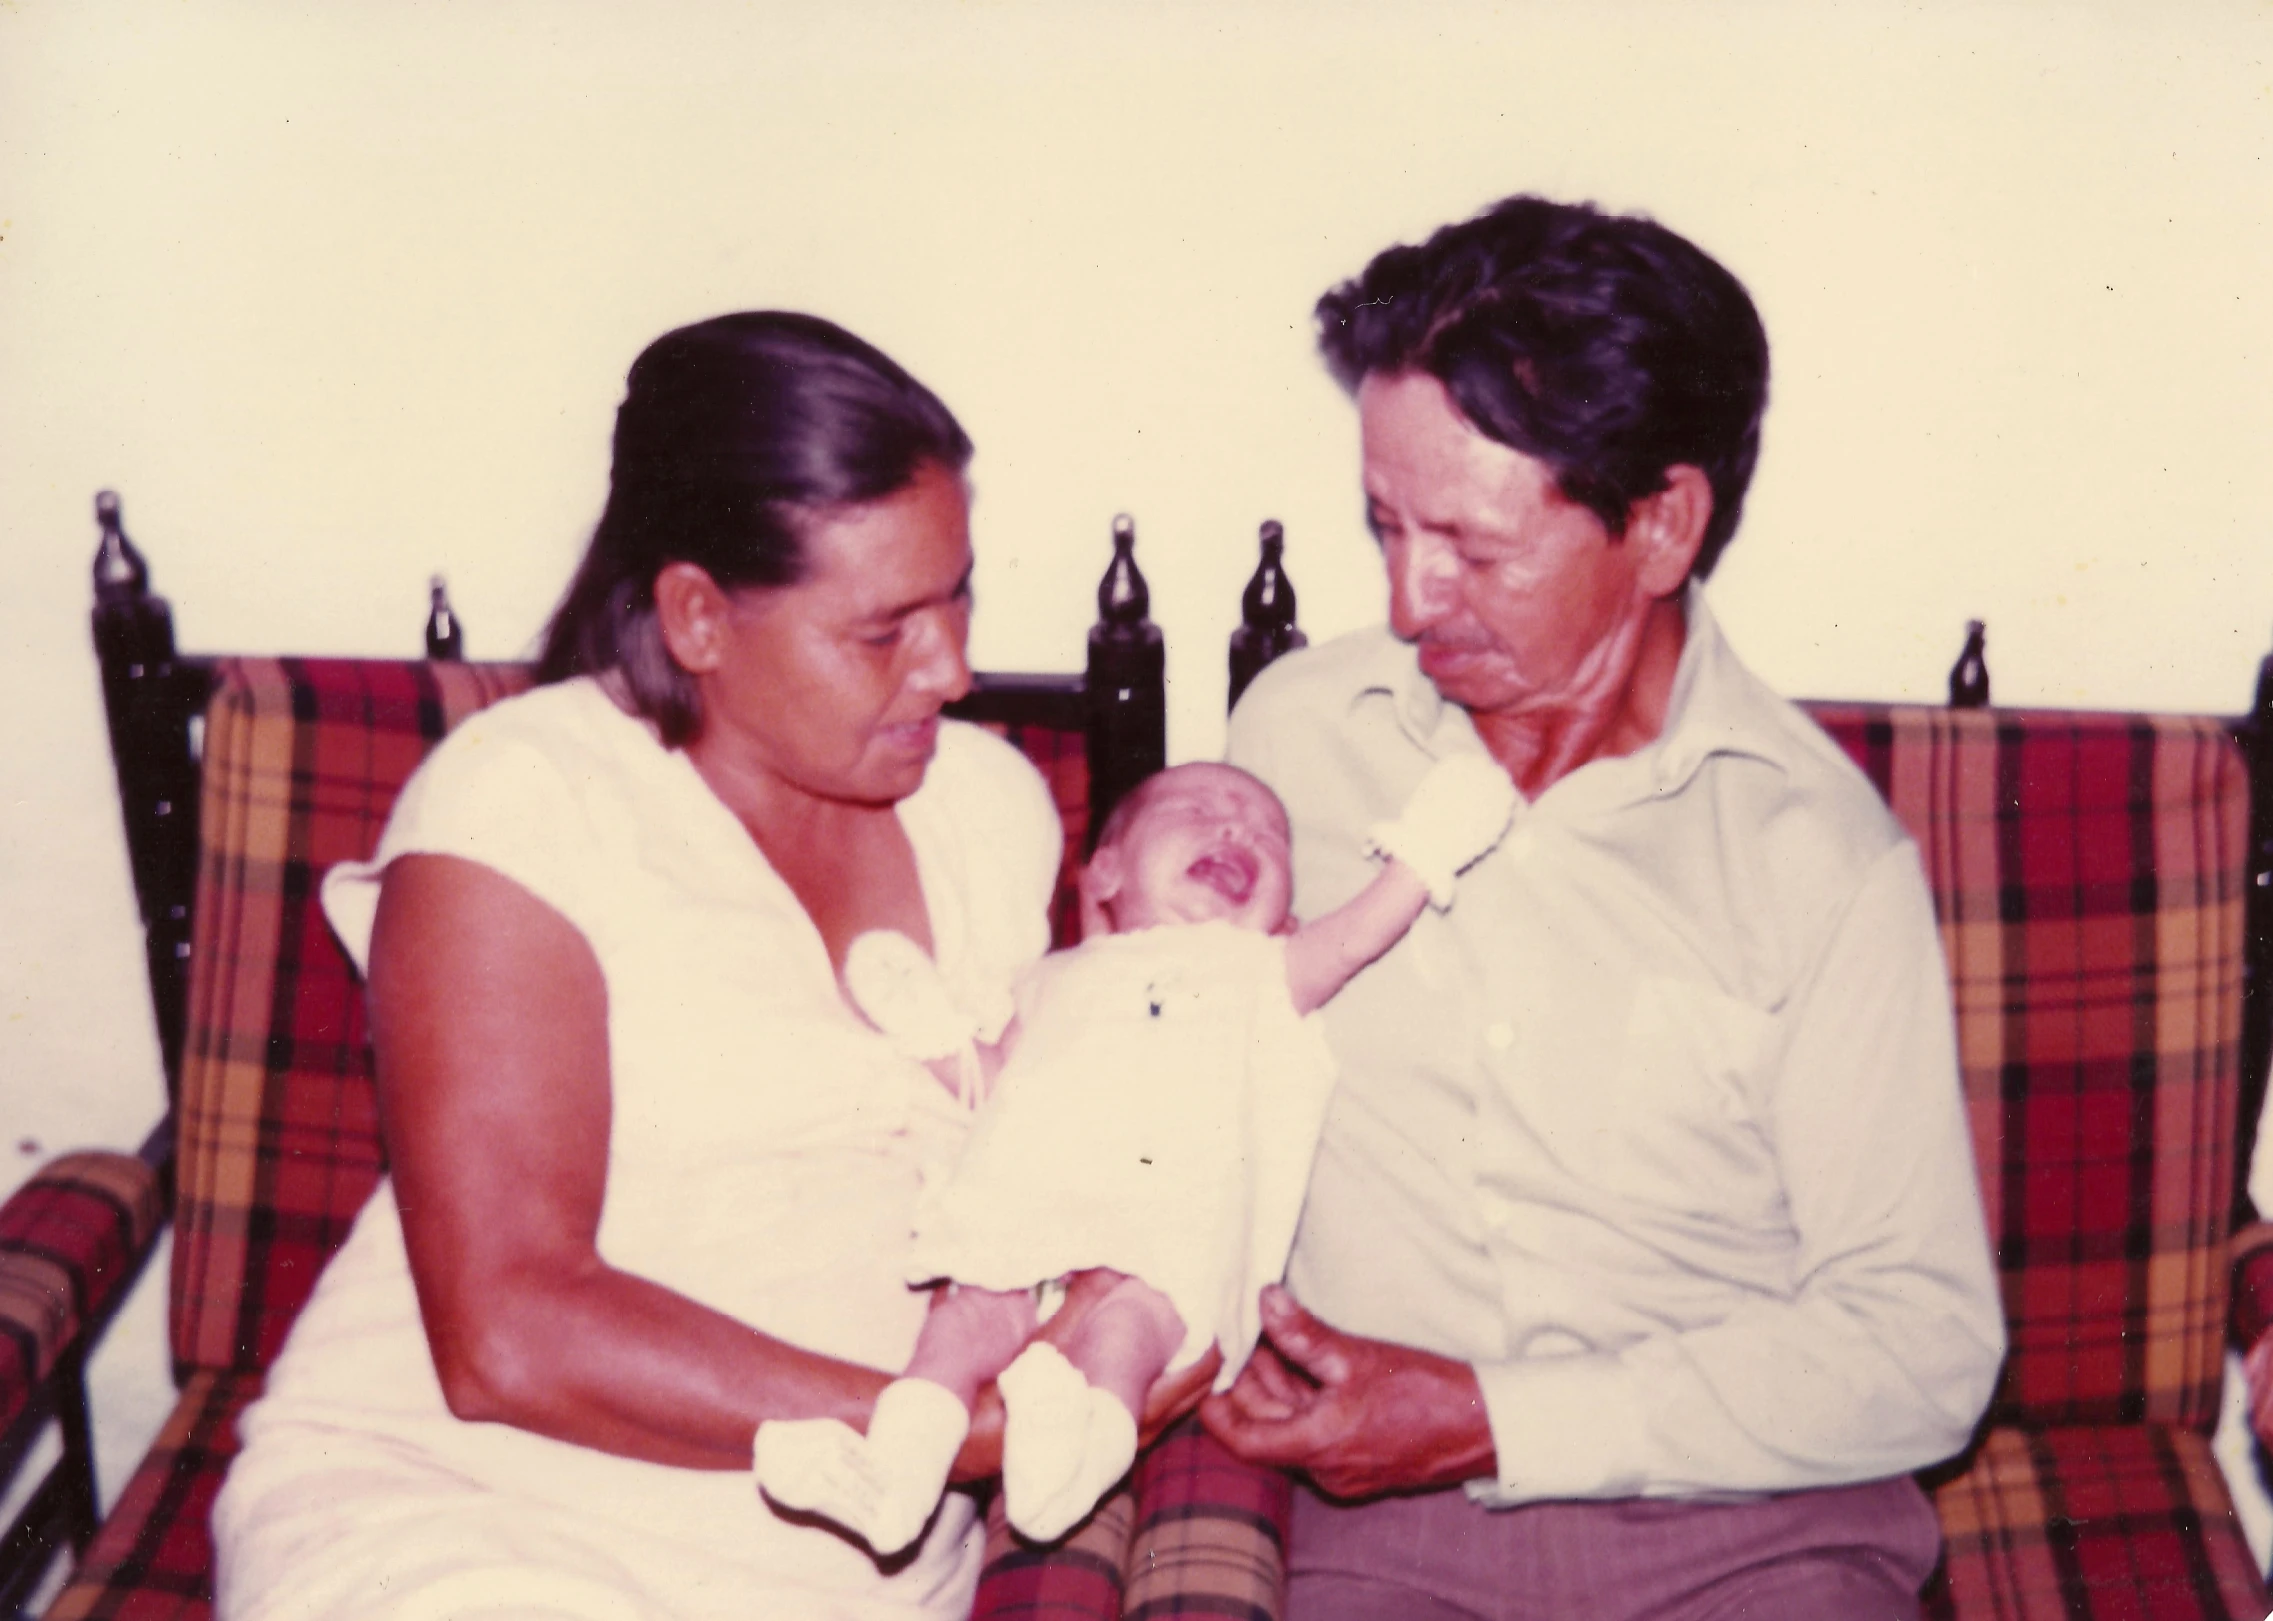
(970, 1336)
(1070, 1413)
(1126, 1342)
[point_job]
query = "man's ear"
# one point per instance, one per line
(691, 611)
(1100, 881)
(1668, 528)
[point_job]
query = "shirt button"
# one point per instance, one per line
(1499, 1036)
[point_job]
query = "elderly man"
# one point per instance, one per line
(1645, 1212)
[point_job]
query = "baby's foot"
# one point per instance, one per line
(884, 1484)
(1064, 1443)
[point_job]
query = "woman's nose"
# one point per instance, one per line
(943, 665)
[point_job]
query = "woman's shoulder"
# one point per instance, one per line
(974, 770)
(564, 739)
(985, 810)
(569, 718)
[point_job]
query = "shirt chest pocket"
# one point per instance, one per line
(1683, 1126)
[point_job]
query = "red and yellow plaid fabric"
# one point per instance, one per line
(69, 1239)
(2088, 872)
(153, 1558)
(1210, 1533)
(1192, 1532)
(277, 1127)
(2128, 1521)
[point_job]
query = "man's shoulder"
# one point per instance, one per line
(1810, 788)
(1314, 686)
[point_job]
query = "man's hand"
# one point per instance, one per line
(1359, 1417)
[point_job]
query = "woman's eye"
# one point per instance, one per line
(882, 640)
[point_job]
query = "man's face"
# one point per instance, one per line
(1517, 598)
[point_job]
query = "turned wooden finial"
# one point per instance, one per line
(1969, 676)
(1266, 613)
(121, 575)
(1126, 679)
(1124, 601)
(445, 636)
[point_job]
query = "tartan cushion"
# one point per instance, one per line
(1078, 1579)
(153, 1558)
(2092, 1522)
(279, 1142)
(1192, 1532)
(1210, 1534)
(69, 1239)
(2088, 872)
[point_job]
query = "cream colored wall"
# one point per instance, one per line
(339, 295)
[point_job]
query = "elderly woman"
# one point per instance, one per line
(651, 1175)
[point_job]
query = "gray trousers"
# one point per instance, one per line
(1855, 1553)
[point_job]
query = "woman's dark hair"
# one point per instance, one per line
(1604, 345)
(733, 436)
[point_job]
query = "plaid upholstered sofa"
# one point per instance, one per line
(2091, 874)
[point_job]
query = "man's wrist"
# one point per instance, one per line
(1562, 1427)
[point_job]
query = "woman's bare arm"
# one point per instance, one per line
(490, 1018)
(1323, 956)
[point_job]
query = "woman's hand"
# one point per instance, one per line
(980, 1457)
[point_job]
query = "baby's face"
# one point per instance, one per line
(1208, 844)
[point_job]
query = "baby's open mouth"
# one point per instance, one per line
(1230, 873)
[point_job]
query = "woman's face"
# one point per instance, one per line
(831, 688)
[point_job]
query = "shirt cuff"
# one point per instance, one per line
(1564, 1427)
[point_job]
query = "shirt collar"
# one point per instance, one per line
(1715, 706)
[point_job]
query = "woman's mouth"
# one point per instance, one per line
(919, 737)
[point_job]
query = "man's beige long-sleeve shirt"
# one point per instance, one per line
(1659, 1126)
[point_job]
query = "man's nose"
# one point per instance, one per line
(1423, 583)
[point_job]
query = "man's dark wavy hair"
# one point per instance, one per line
(1604, 345)
(735, 435)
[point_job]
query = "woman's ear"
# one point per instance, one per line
(691, 610)
(1097, 884)
(1668, 528)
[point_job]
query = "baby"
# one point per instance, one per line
(1159, 1101)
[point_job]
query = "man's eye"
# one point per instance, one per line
(882, 640)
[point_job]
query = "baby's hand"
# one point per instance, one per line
(1456, 815)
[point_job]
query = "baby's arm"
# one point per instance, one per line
(1323, 956)
(1454, 817)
